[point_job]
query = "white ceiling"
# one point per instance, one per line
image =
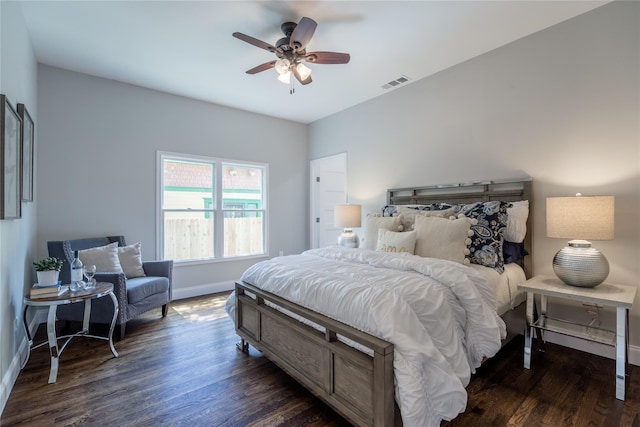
(186, 47)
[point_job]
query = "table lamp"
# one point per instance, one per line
(348, 216)
(580, 218)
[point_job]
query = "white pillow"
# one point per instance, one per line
(517, 222)
(394, 241)
(373, 224)
(130, 257)
(105, 258)
(443, 238)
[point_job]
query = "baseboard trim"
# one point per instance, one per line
(9, 378)
(593, 347)
(206, 289)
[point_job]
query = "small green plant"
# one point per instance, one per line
(48, 264)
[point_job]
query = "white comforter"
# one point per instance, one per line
(436, 314)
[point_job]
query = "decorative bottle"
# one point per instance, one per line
(76, 273)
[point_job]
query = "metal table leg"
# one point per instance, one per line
(621, 351)
(116, 309)
(527, 331)
(539, 332)
(29, 338)
(87, 316)
(53, 343)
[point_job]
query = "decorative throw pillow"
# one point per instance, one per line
(105, 258)
(517, 216)
(442, 206)
(389, 210)
(513, 252)
(488, 233)
(443, 238)
(407, 215)
(130, 257)
(393, 241)
(373, 224)
(393, 210)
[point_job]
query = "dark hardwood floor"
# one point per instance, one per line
(184, 370)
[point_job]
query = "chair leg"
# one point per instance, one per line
(121, 329)
(165, 310)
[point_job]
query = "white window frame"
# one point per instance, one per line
(218, 211)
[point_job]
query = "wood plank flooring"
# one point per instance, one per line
(184, 370)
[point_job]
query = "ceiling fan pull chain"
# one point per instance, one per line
(292, 89)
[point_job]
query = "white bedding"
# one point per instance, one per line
(438, 315)
(505, 285)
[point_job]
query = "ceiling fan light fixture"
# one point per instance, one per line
(285, 78)
(291, 50)
(282, 66)
(303, 70)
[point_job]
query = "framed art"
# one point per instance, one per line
(26, 149)
(10, 166)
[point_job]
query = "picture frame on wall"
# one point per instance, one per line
(26, 146)
(10, 162)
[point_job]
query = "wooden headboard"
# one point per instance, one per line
(508, 191)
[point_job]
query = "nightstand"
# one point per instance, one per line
(606, 294)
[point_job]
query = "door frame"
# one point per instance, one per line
(314, 166)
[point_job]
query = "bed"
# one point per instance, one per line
(365, 341)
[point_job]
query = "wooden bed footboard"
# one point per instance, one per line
(357, 385)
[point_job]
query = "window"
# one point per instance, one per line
(210, 208)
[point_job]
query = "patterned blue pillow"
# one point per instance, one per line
(389, 210)
(488, 233)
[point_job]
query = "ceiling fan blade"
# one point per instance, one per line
(299, 78)
(256, 42)
(327, 57)
(262, 67)
(302, 34)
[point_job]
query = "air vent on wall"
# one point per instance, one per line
(397, 82)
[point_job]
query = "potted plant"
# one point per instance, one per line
(48, 270)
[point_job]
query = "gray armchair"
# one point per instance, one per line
(135, 296)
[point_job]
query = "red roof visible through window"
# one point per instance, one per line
(191, 175)
(194, 175)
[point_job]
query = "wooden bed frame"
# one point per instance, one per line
(358, 386)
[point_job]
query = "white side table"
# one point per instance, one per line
(100, 290)
(606, 294)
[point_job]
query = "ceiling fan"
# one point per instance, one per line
(291, 52)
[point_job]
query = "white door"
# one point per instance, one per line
(328, 188)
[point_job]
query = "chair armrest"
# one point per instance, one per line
(119, 281)
(162, 268)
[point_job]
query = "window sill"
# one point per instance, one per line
(186, 263)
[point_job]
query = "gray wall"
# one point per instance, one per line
(17, 236)
(97, 163)
(560, 106)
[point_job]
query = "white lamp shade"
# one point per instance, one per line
(347, 216)
(304, 71)
(285, 78)
(581, 217)
(282, 65)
